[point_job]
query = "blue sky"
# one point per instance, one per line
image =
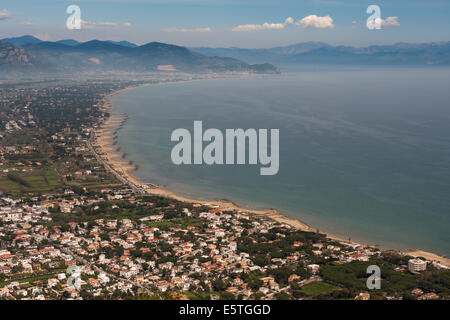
(227, 23)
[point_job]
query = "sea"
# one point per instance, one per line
(364, 152)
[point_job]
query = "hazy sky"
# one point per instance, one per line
(227, 23)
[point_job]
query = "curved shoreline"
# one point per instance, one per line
(109, 129)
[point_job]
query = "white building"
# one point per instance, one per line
(415, 265)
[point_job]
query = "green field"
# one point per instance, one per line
(19, 139)
(34, 278)
(318, 287)
(182, 222)
(203, 296)
(42, 180)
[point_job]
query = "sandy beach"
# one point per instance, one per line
(105, 146)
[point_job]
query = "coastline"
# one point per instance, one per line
(104, 141)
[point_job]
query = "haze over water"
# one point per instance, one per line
(363, 153)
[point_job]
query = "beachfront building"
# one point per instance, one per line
(415, 265)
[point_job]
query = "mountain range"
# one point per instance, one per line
(437, 53)
(28, 53)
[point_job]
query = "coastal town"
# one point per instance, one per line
(75, 226)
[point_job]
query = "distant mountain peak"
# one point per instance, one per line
(69, 42)
(23, 40)
(124, 43)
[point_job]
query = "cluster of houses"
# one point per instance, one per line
(127, 257)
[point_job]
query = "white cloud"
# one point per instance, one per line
(95, 60)
(5, 14)
(264, 26)
(206, 29)
(98, 25)
(390, 22)
(103, 25)
(289, 20)
(313, 21)
(26, 23)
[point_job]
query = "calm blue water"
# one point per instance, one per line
(363, 153)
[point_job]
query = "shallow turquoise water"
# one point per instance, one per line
(363, 153)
